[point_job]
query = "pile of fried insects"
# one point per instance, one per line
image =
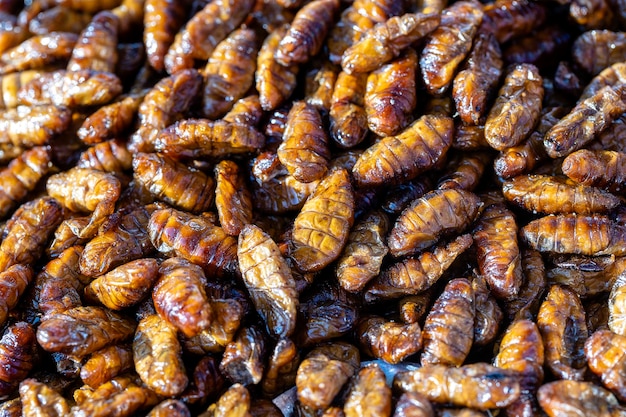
(312, 208)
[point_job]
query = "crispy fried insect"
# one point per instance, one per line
(281, 368)
(304, 151)
(202, 33)
(173, 408)
(597, 168)
(587, 276)
(196, 138)
(324, 371)
(390, 95)
(319, 85)
(11, 408)
(612, 75)
(387, 40)
(604, 351)
(244, 358)
(105, 364)
(476, 81)
(508, 19)
(449, 326)
(582, 398)
(320, 230)
(229, 72)
(435, 215)
(570, 233)
(307, 31)
(348, 119)
(59, 19)
(38, 399)
(207, 382)
(413, 308)
(17, 355)
(561, 320)
(88, 6)
(517, 108)
(13, 283)
(464, 171)
(233, 200)
(11, 83)
(8, 152)
(12, 33)
(395, 159)
(399, 197)
(245, 111)
(448, 45)
(478, 385)
(38, 52)
(469, 137)
(80, 331)
(488, 316)
(158, 356)
(110, 121)
(111, 156)
(227, 317)
(234, 402)
(617, 307)
(595, 50)
(369, 395)
(416, 275)
(412, 404)
(543, 48)
(172, 182)
(32, 126)
(27, 231)
(96, 47)
(65, 235)
(387, 340)
(161, 20)
(130, 15)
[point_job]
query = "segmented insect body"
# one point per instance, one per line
(233, 200)
(617, 307)
(595, 50)
(465, 171)
(395, 159)
(243, 359)
(105, 364)
(13, 283)
(597, 168)
(281, 368)
(38, 398)
(162, 19)
(96, 47)
(612, 75)
(110, 121)
(236, 397)
(281, 194)
(59, 19)
(111, 156)
(32, 126)
(488, 316)
(38, 52)
(388, 340)
(11, 83)
(319, 84)
(348, 119)
(245, 111)
(370, 395)
(18, 349)
(604, 351)
(581, 397)
(508, 19)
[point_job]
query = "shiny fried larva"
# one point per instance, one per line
(32, 126)
(469, 137)
(578, 398)
(488, 318)
(281, 194)
(612, 75)
(110, 156)
(244, 357)
(233, 199)
(110, 121)
(59, 19)
(465, 171)
(13, 283)
(96, 47)
(281, 368)
(245, 111)
(435, 215)
(234, 402)
(18, 347)
(38, 51)
(517, 108)
(605, 352)
(395, 159)
(617, 307)
(508, 19)
(413, 404)
(596, 50)
(390, 95)
(348, 119)
(321, 228)
(538, 48)
(105, 364)
(228, 314)
(37, 398)
(387, 340)
(161, 20)
(369, 396)
(319, 84)
(11, 83)
(526, 304)
(307, 31)
(170, 408)
(597, 168)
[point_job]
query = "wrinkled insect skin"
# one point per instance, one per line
(18, 349)
(110, 121)
(617, 307)
(611, 75)
(348, 119)
(281, 368)
(604, 351)
(39, 399)
(96, 47)
(244, 358)
(32, 126)
(387, 340)
(13, 283)
(233, 199)
(596, 50)
(581, 398)
(236, 399)
(10, 84)
(59, 19)
(105, 364)
(370, 395)
(508, 19)
(603, 169)
(38, 51)
(111, 156)
(465, 172)
(171, 408)
(488, 317)
(319, 84)
(162, 19)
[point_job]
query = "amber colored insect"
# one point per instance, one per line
(130, 15)
(202, 33)
(395, 159)
(387, 40)
(245, 111)
(281, 368)
(479, 385)
(227, 314)
(324, 371)
(476, 81)
(617, 307)
(387, 340)
(576, 234)
(390, 95)
(274, 82)
(448, 45)
(319, 84)
(205, 382)
(281, 194)
(59, 19)
(488, 316)
(229, 72)
(435, 215)
(11, 408)
(111, 156)
(158, 356)
(596, 50)
(162, 19)
(8, 152)
(517, 108)
(369, 396)
(96, 47)
(348, 119)
(400, 196)
(122, 392)
(38, 52)
(244, 358)
(236, 399)
(32, 126)
(171, 407)
(604, 351)
(307, 31)
(469, 137)
(581, 398)
(561, 320)
(27, 231)
(13, 283)
(176, 233)
(304, 150)
(587, 276)
(321, 228)
(233, 200)
(612, 75)
(37, 398)
(413, 404)
(105, 364)
(464, 171)
(17, 355)
(597, 168)
(508, 19)
(10, 85)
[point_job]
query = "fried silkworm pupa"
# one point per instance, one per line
(21, 176)
(561, 321)
(435, 215)
(245, 111)
(583, 398)
(399, 197)
(479, 385)
(448, 45)
(207, 382)
(125, 285)
(508, 19)
(18, 349)
(413, 404)
(38, 52)
(37, 398)
(173, 182)
(11, 83)
(449, 326)
(281, 368)
(122, 395)
(96, 47)
(27, 231)
(418, 274)
(597, 168)
(11, 408)
(610, 138)
(176, 233)
(59, 19)
(105, 364)
(227, 317)
(320, 230)
(233, 200)
(617, 307)
(319, 84)
(585, 121)
(465, 171)
(111, 156)
(171, 408)
(396, 159)
(517, 108)
(324, 371)
(87, 191)
(387, 40)
(13, 283)
(244, 358)
(306, 33)
(390, 95)
(274, 82)
(162, 19)
(236, 399)
(476, 81)
(229, 72)
(304, 150)
(348, 119)
(592, 235)
(110, 121)
(80, 331)
(130, 15)
(197, 138)
(369, 396)
(596, 50)
(387, 340)
(202, 33)
(268, 278)
(32, 126)
(488, 317)
(158, 356)
(604, 351)
(469, 137)
(587, 276)
(281, 194)
(612, 75)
